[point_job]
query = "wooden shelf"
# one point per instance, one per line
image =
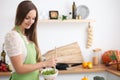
(66, 21)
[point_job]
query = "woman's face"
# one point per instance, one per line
(29, 19)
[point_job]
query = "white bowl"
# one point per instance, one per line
(49, 76)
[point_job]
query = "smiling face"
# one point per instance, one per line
(29, 19)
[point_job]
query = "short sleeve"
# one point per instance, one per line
(13, 44)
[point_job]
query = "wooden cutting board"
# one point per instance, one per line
(66, 54)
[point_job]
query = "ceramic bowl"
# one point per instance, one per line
(49, 75)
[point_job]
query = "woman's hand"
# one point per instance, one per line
(50, 62)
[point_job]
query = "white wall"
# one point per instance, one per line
(106, 28)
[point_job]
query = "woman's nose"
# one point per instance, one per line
(31, 21)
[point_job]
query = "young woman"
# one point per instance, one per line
(22, 47)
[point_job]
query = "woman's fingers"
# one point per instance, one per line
(51, 62)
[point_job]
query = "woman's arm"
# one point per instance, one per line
(21, 68)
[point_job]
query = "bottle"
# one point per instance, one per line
(3, 54)
(73, 11)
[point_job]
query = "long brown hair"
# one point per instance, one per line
(22, 10)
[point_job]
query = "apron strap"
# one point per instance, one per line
(10, 78)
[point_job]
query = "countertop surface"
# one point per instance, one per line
(79, 69)
(98, 68)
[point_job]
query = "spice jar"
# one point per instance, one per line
(95, 57)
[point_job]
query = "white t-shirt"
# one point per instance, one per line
(14, 45)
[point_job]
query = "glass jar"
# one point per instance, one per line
(95, 57)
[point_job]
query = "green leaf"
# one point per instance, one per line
(113, 56)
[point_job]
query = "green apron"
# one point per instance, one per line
(30, 59)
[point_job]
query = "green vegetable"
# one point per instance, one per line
(48, 72)
(113, 56)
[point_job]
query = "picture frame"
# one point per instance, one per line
(53, 14)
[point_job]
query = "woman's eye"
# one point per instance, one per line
(26, 18)
(33, 18)
(30, 18)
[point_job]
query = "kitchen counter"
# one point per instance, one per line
(113, 70)
(98, 68)
(5, 73)
(79, 69)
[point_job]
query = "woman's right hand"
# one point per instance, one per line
(50, 62)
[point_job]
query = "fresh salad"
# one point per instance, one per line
(48, 72)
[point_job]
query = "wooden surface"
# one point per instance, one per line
(66, 54)
(5, 73)
(79, 69)
(113, 70)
